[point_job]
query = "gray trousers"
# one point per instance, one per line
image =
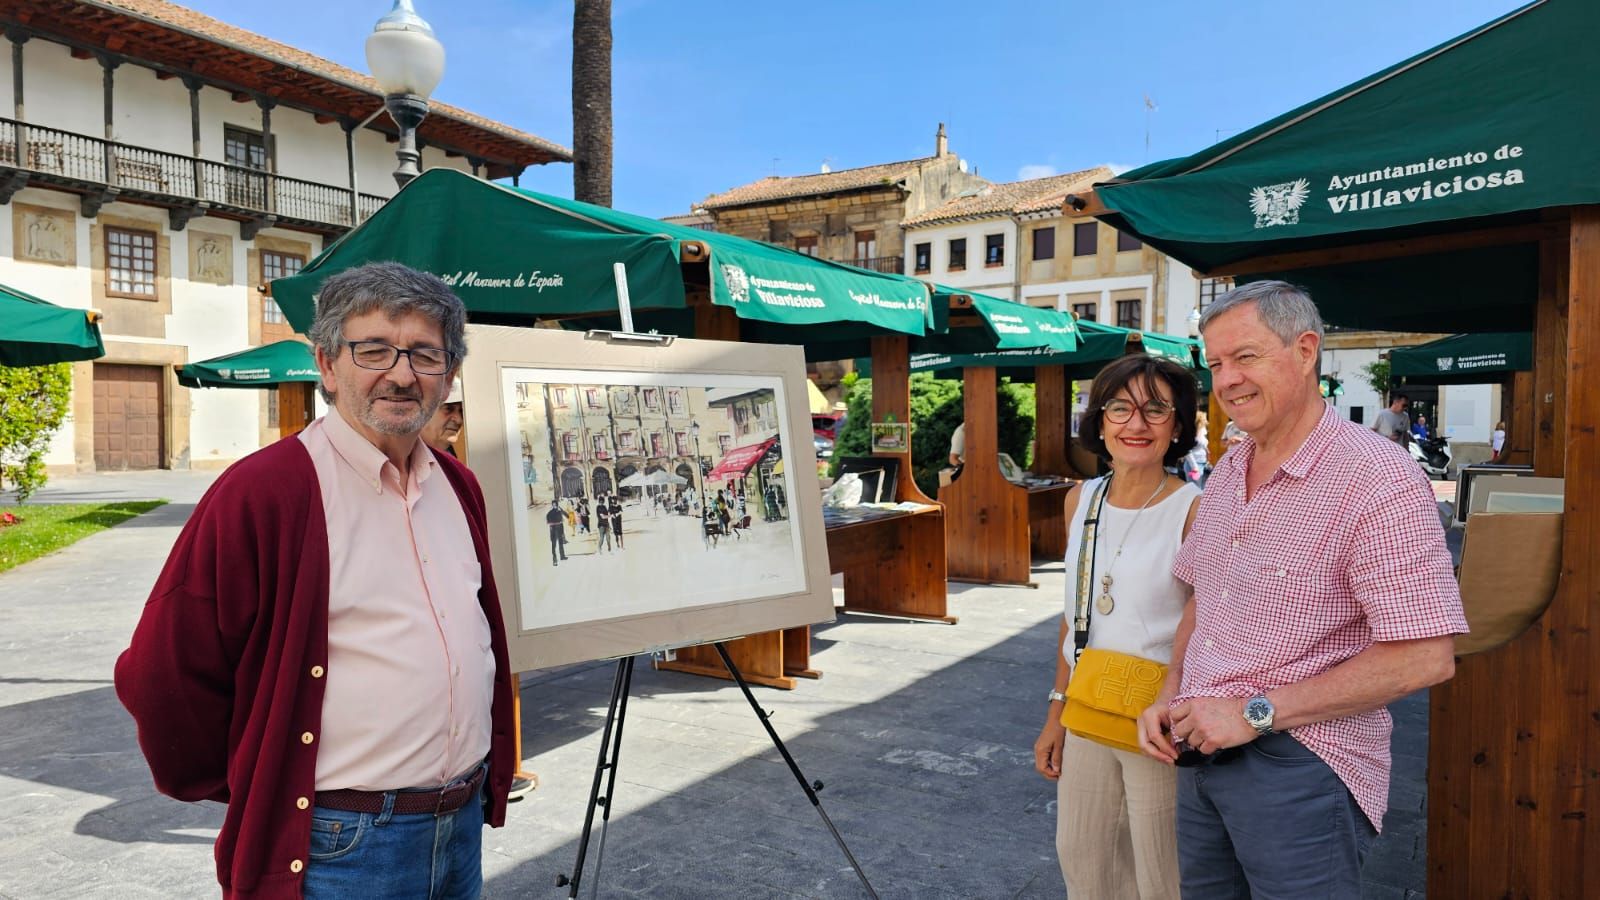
(1269, 820)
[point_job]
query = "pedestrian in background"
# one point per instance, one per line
(1392, 423)
(1323, 591)
(1116, 833)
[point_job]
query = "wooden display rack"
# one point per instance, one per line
(991, 534)
(893, 566)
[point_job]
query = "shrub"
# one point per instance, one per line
(936, 410)
(34, 401)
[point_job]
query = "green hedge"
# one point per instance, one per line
(935, 412)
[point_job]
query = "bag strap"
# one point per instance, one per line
(1088, 546)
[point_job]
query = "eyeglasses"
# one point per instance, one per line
(1154, 412)
(382, 357)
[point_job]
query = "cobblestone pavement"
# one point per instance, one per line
(921, 734)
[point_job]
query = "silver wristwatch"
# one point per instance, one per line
(1056, 695)
(1258, 711)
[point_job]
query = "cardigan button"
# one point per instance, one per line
(302, 803)
(316, 671)
(296, 866)
(307, 738)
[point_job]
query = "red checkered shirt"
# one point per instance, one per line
(1341, 547)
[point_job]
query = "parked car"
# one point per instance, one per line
(827, 424)
(824, 446)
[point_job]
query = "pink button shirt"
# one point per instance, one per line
(1341, 547)
(410, 667)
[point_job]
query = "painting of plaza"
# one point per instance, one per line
(647, 493)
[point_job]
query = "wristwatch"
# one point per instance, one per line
(1055, 696)
(1258, 711)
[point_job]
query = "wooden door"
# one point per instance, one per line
(127, 417)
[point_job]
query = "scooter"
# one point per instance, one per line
(1432, 454)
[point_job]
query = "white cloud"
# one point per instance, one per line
(1116, 168)
(1035, 170)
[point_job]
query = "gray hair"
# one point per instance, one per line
(395, 290)
(1285, 309)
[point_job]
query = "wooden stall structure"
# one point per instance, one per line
(1514, 750)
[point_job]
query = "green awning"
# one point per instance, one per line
(1097, 345)
(35, 332)
(1459, 134)
(515, 254)
(259, 367)
(1010, 326)
(1463, 359)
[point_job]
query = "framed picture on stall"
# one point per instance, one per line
(630, 491)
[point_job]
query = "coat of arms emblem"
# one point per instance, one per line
(1445, 362)
(1279, 204)
(225, 373)
(738, 282)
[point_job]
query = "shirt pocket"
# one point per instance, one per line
(1292, 609)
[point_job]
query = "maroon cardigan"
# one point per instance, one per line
(219, 673)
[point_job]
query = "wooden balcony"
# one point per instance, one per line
(893, 265)
(103, 171)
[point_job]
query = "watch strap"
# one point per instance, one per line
(1056, 696)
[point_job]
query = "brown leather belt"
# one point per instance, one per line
(437, 802)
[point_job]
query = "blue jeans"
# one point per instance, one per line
(362, 856)
(1269, 821)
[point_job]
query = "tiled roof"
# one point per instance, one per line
(203, 26)
(787, 186)
(1013, 197)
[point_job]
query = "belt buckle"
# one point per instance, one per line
(447, 795)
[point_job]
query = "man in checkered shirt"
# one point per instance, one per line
(1322, 592)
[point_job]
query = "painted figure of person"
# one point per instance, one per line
(557, 521)
(615, 509)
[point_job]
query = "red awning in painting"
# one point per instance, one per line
(739, 460)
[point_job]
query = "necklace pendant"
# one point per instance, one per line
(1105, 581)
(1103, 604)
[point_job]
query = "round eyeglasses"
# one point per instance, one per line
(1154, 412)
(382, 357)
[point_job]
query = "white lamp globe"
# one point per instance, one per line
(403, 53)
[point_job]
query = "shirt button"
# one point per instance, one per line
(1210, 644)
(307, 738)
(1224, 595)
(302, 803)
(458, 670)
(316, 671)
(1236, 543)
(296, 866)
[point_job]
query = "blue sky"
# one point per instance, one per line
(716, 93)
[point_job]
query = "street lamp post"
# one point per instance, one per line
(694, 433)
(408, 62)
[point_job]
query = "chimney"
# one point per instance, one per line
(941, 144)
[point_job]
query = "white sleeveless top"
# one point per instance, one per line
(1149, 601)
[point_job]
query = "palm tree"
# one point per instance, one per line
(591, 101)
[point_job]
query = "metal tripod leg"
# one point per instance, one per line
(611, 776)
(607, 761)
(794, 768)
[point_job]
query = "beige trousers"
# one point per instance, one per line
(1116, 824)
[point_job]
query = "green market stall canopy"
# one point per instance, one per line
(35, 332)
(1010, 326)
(1097, 345)
(259, 367)
(514, 255)
(1463, 133)
(1463, 359)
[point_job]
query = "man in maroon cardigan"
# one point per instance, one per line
(324, 650)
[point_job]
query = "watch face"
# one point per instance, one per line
(1258, 711)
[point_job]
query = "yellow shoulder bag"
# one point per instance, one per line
(1108, 689)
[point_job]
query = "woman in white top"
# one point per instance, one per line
(1116, 829)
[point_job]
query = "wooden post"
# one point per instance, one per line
(1516, 408)
(1052, 424)
(1514, 757)
(988, 538)
(1216, 423)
